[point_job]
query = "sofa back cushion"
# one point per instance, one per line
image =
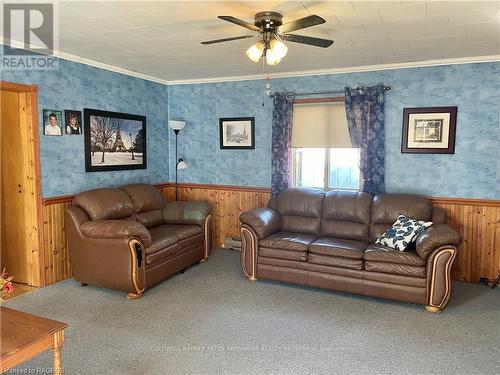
(300, 210)
(387, 207)
(346, 214)
(105, 204)
(148, 204)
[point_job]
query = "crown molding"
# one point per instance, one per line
(355, 69)
(299, 73)
(112, 68)
(94, 63)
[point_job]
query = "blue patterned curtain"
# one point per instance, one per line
(366, 121)
(281, 142)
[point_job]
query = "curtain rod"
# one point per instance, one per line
(386, 88)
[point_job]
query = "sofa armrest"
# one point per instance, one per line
(436, 236)
(264, 221)
(116, 229)
(193, 213)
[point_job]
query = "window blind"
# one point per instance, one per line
(320, 125)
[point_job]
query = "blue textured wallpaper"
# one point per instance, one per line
(77, 86)
(473, 171)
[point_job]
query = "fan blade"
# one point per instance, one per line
(228, 39)
(239, 22)
(301, 23)
(318, 42)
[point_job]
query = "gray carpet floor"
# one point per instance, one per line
(210, 320)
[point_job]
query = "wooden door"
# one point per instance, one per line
(20, 198)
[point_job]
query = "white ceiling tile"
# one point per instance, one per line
(378, 27)
(488, 6)
(401, 13)
(419, 23)
(471, 17)
(163, 38)
(484, 28)
(445, 8)
(373, 6)
(446, 30)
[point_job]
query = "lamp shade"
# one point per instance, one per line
(255, 52)
(272, 58)
(278, 48)
(181, 164)
(176, 124)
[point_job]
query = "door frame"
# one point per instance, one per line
(37, 261)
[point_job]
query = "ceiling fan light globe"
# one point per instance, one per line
(271, 58)
(255, 52)
(278, 48)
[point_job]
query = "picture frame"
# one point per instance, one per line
(429, 130)
(73, 122)
(52, 122)
(114, 141)
(237, 133)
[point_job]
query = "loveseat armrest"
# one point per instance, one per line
(123, 229)
(264, 221)
(436, 236)
(190, 213)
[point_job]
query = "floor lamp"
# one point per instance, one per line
(177, 126)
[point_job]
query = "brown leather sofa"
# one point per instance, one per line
(326, 240)
(130, 238)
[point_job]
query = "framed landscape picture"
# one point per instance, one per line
(114, 141)
(429, 130)
(237, 133)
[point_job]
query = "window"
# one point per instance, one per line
(321, 149)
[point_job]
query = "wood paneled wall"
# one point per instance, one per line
(477, 221)
(57, 263)
(227, 202)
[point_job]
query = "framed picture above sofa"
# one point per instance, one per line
(237, 132)
(429, 130)
(114, 141)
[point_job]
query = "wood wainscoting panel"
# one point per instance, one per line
(478, 223)
(228, 203)
(57, 262)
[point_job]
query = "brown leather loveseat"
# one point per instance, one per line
(130, 238)
(326, 240)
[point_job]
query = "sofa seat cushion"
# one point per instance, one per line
(395, 268)
(295, 255)
(326, 260)
(163, 254)
(380, 253)
(338, 247)
(164, 236)
(288, 241)
(183, 231)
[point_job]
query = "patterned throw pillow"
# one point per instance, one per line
(403, 232)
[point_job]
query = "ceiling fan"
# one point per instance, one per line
(270, 26)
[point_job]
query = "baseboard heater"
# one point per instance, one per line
(232, 243)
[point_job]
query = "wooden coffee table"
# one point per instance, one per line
(24, 335)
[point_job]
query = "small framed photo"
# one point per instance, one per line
(429, 130)
(237, 133)
(72, 122)
(52, 122)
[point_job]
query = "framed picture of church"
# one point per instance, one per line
(114, 141)
(237, 133)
